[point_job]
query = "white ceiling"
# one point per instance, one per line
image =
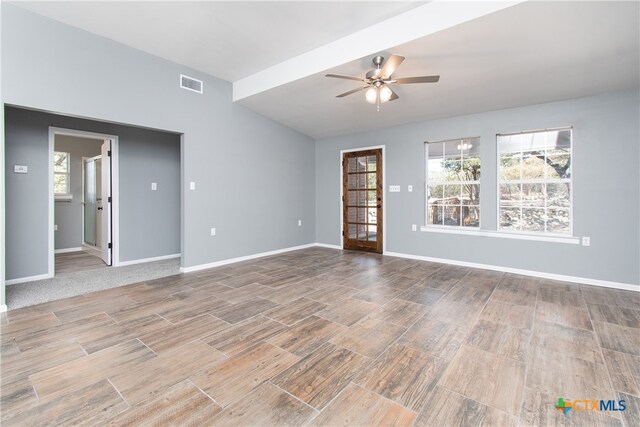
(528, 53)
(229, 40)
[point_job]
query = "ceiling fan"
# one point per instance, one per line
(377, 81)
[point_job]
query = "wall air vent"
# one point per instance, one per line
(189, 83)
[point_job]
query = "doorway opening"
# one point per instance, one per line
(82, 188)
(362, 201)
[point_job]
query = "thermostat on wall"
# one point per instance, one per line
(20, 169)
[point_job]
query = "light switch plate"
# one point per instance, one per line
(20, 169)
(213, 231)
(55, 227)
(154, 186)
(586, 241)
(414, 227)
(410, 188)
(192, 185)
(394, 189)
(299, 223)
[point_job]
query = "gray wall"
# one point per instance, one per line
(254, 177)
(149, 220)
(68, 214)
(606, 182)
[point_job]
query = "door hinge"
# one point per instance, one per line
(109, 153)
(109, 245)
(109, 199)
(343, 198)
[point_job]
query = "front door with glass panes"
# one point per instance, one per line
(362, 200)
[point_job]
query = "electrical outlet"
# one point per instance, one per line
(20, 169)
(586, 241)
(154, 186)
(213, 231)
(55, 227)
(410, 189)
(414, 227)
(192, 185)
(394, 189)
(299, 223)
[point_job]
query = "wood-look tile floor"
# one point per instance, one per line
(72, 262)
(324, 337)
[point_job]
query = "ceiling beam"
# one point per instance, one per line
(421, 21)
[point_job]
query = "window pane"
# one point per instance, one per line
(533, 166)
(60, 184)
(534, 141)
(352, 164)
(471, 216)
(558, 164)
(373, 233)
(558, 221)
(471, 194)
(436, 194)
(362, 214)
(471, 168)
(451, 215)
(353, 198)
(351, 182)
(533, 219)
(352, 215)
(452, 149)
(434, 215)
(458, 161)
(436, 170)
(510, 166)
(509, 218)
(60, 162)
(361, 164)
(372, 216)
(509, 144)
(362, 232)
(372, 198)
(559, 195)
(372, 180)
(371, 163)
(509, 195)
(536, 202)
(533, 195)
(353, 231)
(452, 194)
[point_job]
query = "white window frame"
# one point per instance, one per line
(461, 228)
(545, 233)
(67, 194)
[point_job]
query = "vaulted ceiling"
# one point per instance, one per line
(490, 55)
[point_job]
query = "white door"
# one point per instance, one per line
(105, 186)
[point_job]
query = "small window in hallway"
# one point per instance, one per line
(61, 174)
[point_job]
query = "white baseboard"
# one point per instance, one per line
(28, 279)
(143, 260)
(539, 274)
(66, 250)
(326, 245)
(3, 308)
(243, 258)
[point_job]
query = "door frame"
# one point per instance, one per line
(115, 207)
(384, 193)
(84, 159)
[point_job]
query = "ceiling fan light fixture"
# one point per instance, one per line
(385, 94)
(371, 95)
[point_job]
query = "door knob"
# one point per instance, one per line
(100, 208)
(379, 206)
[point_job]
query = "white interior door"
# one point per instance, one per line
(105, 186)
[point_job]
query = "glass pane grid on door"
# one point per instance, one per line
(362, 198)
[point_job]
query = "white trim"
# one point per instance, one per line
(115, 197)
(244, 258)
(384, 192)
(152, 259)
(500, 234)
(3, 308)
(67, 250)
(540, 274)
(328, 246)
(28, 279)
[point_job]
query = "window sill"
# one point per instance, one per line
(503, 235)
(63, 197)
